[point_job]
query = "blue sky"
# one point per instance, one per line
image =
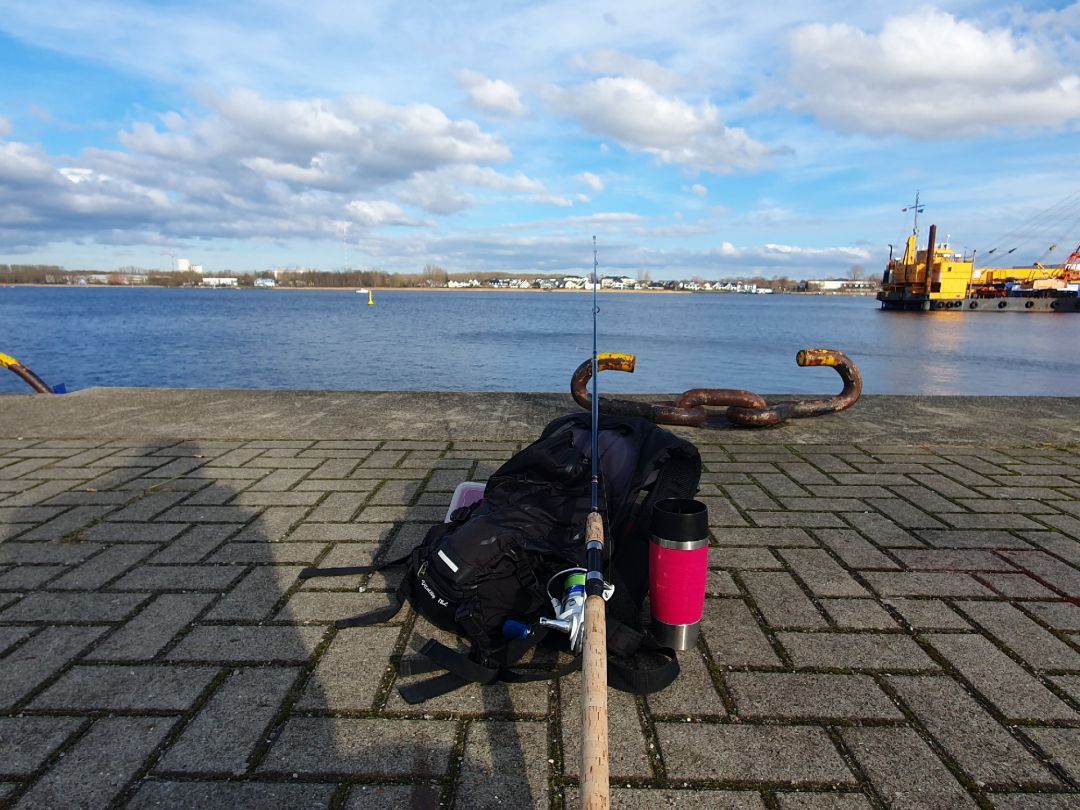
(692, 139)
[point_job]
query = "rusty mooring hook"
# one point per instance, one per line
(32, 379)
(744, 408)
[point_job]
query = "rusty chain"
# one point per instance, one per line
(744, 408)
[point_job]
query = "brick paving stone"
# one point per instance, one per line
(822, 801)
(733, 636)
(247, 643)
(208, 514)
(1063, 746)
(151, 629)
(73, 607)
(267, 553)
(133, 532)
(231, 724)
(781, 601)
(927, 500)
(336, 507)
(1035, 801)
(928, 614)
(521, 700)
(504, 763)
(364, 748)
(821, 574)
(26, 742)
(107, 565)
(750, 496)
(1059, 615)
(329, 606)
(720, 583)
(1017, 586)
(395, 493)
(743, 558)
(1048, 570)
(858, 614)
(871, 651)
(801, 519)
(130, 688)
(256, 499)
(68, 525)
(1026, 506)
(958, 474)
(947, 487)
(983, 748)
(779, 755)
(350, 671)
(97, 768)
(254, 596)
(925, 584)
(28, 514)
(10, 636)
(159, 794)
(722, 513)
(629, 757)
(775, 538)
(28, 577)
(20, 553)
(178, 577)
(788, 695)
(990, 521)
(1015, 693)
(1023, 636)
(341, 533)
(1065, 547)
(272, 524)
(692, 693)
(653, 798)
(147, 506)
(904, 513)
(891, 757)
(195, 544)
(884, 532)
(854, 550)
(952, 560)
(392, 514)
(35, 494)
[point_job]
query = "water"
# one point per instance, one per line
(516, 341)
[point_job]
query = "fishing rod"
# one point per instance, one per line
(594, 708)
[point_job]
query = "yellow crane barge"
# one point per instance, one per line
(939, 278)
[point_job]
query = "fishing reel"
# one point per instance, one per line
(566, 590)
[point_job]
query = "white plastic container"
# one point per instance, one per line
(467, 493)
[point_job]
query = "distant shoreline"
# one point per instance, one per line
(425, 290)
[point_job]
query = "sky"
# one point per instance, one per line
(692, 139)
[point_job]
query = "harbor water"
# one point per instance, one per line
(520, 341)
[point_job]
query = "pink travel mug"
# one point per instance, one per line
(678, 566)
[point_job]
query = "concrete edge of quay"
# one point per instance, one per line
(148, 413)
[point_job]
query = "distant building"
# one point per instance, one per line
(218, 281)
(265, 282)
(183, 265)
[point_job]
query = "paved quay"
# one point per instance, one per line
(892, 618)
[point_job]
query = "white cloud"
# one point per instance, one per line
(929, 75)
(592, 181)
(698, 190)
(673, 131)
(254, 167)
(492, 96)
(610, 62)
(5, 127)
(372, 213)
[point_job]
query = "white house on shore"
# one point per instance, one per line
(218, 281)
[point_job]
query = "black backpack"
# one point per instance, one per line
(484, 574)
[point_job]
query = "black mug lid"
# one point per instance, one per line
(680, 519)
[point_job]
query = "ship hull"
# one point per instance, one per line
(1056, 304)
